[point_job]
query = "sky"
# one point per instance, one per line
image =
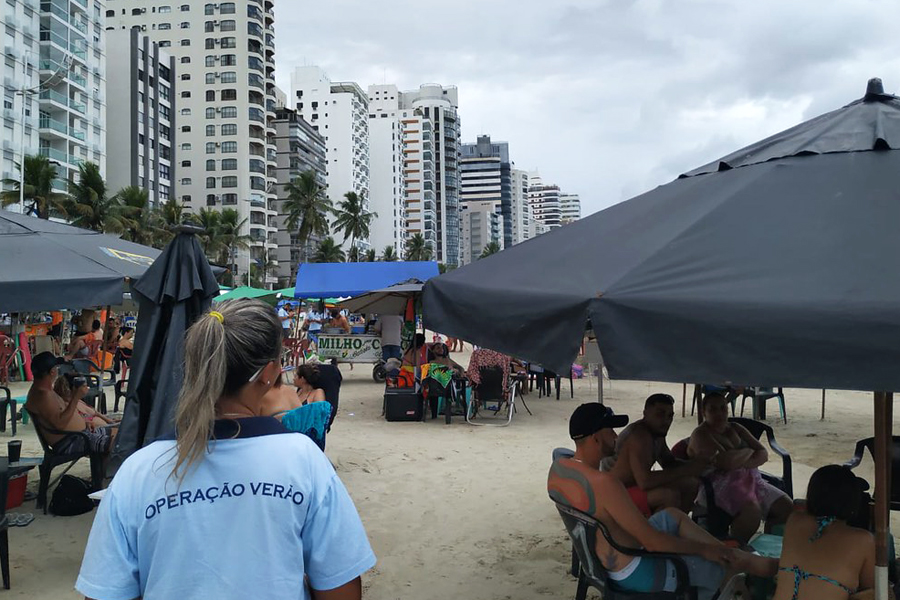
(606, 98)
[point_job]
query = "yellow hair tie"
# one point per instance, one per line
(217, 316)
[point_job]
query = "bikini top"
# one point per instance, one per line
(801, 575)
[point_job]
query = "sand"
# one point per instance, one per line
(458, 511)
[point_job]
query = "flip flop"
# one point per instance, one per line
(24, 519)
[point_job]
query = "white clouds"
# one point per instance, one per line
(608, 97)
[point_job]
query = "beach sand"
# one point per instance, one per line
(459, 511)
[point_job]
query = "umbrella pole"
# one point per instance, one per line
(822, 418)
(683, 400)
(105, 346)
(600, 382)
(884, 404)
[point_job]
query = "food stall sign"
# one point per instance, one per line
(350, 348)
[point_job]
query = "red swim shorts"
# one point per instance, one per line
(639, 497)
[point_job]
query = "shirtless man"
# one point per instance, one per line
(579, 483)
(641, 445)
(68, 414)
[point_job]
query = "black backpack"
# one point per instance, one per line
(70, 497)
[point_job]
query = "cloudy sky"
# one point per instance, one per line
(607, 98)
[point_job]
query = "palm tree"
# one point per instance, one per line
(211, 239)
(353, 254)
(417, 248)
(389, 254)
(371, 255)
(170, 215)
(142, 222)
(89, 205)
(229, 227)
(353, 219)
(328, 252)
(492, 248)
(306, 207)
(40, 199)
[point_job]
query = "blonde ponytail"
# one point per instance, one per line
(221, 352)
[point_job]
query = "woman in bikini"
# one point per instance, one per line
(302, 409)
(737, 484)
(822, 557)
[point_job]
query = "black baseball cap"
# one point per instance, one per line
(590, 418)
(44, 362)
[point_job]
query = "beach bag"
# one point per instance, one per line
(70, 498)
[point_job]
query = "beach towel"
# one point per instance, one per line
(310, 420)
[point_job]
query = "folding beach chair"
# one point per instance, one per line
(489, 396)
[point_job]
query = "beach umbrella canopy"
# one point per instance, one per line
(50, 266)
(172, 294)
(387, 301)
(269, 296)
(775, 265)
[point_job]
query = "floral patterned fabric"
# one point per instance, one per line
(482, 357)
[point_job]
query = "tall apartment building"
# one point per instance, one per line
(544, 201)
(300, 148)
(569, 208)
(141, 116)
(21, 50)
(486, 173)
(522, 221)
(339, 111)
(225, 53)
(481, 225)
(387, 182)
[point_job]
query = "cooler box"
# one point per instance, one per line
(402, 404)
(15, 493)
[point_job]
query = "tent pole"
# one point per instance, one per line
(600, 383)
(105, 346)
(683, 400)
(884, 404)
(822, 418)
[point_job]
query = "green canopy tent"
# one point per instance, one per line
(268, 296)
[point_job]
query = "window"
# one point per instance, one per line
(186, 199)
(229, 112)
(136, 11)
(210, 78)
(184, 25)
(228, 60)
(227, 26)
(164, 171)
(210, 95)
(226, 8)
(210, 130)
(110, 13)
(164, 26)
(164, 132)
(210, 61)
(228, 42)
(186, 112)
(229, 147)
(164, 9)
(229, 164)
(164, 112)
(229, 181)
(163, 192)
(185, 76)
(185, 94)
(165, 44)
(210, 147)
(185, 60)
(211, 199)
(185, 129)
(210, 43)
(211, 165)
(229, 129)
(229, 199)
(186, 146)
(209, 9)
(185, 163)
(186, 181)
(210, 182)
(228, 77)
(210, 113)
(229, 94)
(164, 92)
(185, 8)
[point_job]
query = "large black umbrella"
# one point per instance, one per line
(50, 266)
(775, 265)
(172, 294)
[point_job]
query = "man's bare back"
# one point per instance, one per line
(632, 454)
(52, 411)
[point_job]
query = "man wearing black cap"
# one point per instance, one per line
(66, 414)
(579, 483)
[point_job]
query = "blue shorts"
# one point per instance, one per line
(391, 351)
(658, 574)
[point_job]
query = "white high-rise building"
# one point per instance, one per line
(544, 201)
(339, 111)
(386, 180)
(225, 54)
(569, 208)
(140, 115)
(522, 221)
(487, 175)
(19, 134)
(482, 224)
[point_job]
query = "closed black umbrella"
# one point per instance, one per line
(172, 294)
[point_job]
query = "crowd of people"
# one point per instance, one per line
(612, 477)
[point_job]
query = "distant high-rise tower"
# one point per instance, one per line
(569, 208)
(487, 177)
(387, 182)
(544, 201)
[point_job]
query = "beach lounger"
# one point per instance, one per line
(582, 529)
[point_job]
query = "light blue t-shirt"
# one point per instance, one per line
(255, 516)
(314, 314)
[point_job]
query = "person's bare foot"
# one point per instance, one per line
(753, 564)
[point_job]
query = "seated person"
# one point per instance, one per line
(738, 487)
(92, 419)
(302, 409)
(440, 355)
(822, 557)
(578, 482)
(339, 321)
(67, 414)
(81, 345)
(419, 345)
(641, 445)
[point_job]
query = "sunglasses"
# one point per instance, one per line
(259, 371)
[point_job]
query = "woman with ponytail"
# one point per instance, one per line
(234, 505)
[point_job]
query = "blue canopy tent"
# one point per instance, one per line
(327, 280)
